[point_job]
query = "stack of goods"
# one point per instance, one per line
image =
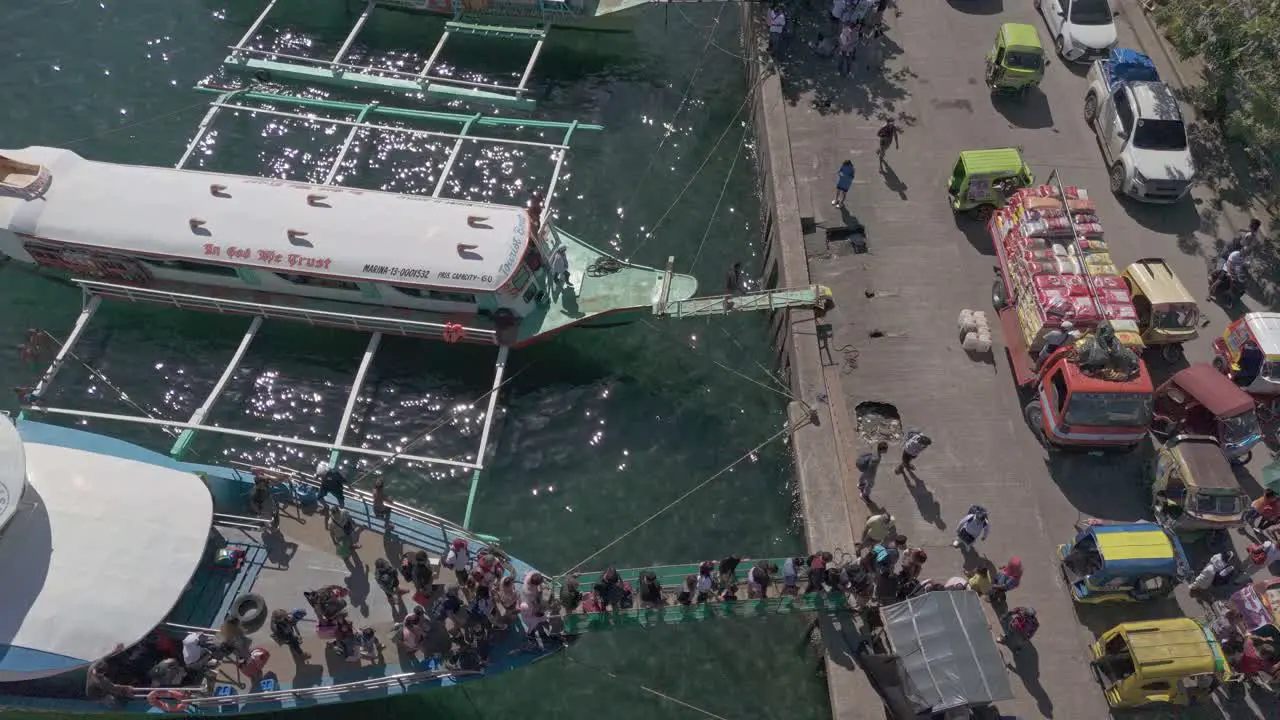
(1055, 278)
(975, 332)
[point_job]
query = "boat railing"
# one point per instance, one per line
(325, 318)
(187, 628)
(240, 521)
(447, 528)
(402, 680)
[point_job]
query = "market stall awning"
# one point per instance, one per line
(946, 651)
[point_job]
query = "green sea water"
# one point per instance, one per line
(596, 430)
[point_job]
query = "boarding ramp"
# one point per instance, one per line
(777, 601)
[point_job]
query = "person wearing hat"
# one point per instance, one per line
(878, 528)
(331, 483)
(1055, 339)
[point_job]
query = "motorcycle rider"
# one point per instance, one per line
(1230, 276)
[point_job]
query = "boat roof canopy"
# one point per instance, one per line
(1213, 390)
(274, 225)
(98, 557)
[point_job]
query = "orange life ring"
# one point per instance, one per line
(453, 332)
(170, 701)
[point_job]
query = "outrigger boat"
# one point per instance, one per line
(426, 266)
(528, 22)
(77, 508)
(90, 623)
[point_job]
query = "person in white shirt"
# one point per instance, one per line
(1053, 340)
(973, 527)
(459, 559)
(777, 28)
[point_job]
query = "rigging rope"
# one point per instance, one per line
(427, 433)
(790, 428)
(670, 127)
(657, 693)
(102, 378)
(751, 93)
(126, 126)
(782, 389)
(603, 266)
(716, 210)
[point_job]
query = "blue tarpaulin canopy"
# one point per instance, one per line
(1127, 65)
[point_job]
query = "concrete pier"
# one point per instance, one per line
(893, 338)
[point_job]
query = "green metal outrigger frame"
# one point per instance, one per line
(274, 65)
(364, 114)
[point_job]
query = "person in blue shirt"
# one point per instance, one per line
(844, 180)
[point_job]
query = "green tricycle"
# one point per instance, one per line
(982, 179)
(1015, 63)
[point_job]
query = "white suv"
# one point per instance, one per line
(1082, 30)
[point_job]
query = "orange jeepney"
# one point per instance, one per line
(1057, 283)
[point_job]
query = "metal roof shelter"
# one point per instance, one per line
(947, 657)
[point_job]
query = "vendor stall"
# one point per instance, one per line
(940, 657)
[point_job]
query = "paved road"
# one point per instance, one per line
(924, 266)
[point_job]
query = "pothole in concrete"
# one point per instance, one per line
(878, 421)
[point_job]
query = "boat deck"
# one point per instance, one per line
(280, 563)
(600, 285)
(300, 556)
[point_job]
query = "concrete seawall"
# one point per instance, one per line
(824, 448)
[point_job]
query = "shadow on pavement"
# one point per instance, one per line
(870, 90)
(975, 231)
(1026, 665)
(978, 7)
(1107, 487)
(1030, 110)
(1180, 219)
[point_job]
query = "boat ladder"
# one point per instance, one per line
(814, 296)
(272, 65)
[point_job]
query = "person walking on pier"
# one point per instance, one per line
(888, 135)
(915, 443)
(1020, 625)
(844, 180)
(974, 526)
(848, 49)
(868, 464)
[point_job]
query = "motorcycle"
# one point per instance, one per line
(1227, 284)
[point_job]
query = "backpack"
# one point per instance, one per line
(864, 461)
(884, 132)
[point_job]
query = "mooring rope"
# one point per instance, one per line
(711, 221)
(427, 433)
(750, 95)
(790, 428)
(670, 126)
(656, 693)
